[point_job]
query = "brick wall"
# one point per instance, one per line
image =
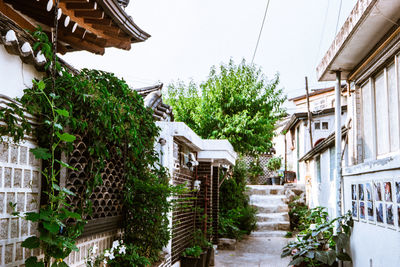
(19, 183)
(215, 206)
(182, 215)
(205, 200)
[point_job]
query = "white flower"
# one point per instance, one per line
(122, 250)
(115, 244)
(112, 256)
(105, 261)
(94, 249)
(107, 254)
(313, 226)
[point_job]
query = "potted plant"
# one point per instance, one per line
(191, 256)
(273, 165)
(255, 171)
(206, 246)
(320, 245)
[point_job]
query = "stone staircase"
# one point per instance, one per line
(272, 216)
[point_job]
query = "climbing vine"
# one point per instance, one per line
(111, 115)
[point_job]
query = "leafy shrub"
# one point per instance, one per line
(236, 216)
(120, 255)
(193, 252)
(255, 171)
(318, 245)
(237, 222)
(301, 217)
(274, 164)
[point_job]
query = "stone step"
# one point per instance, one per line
(267, 199)
(273, 226)
(273, 217)
(271, 208)
(266, 190)
(268, 234)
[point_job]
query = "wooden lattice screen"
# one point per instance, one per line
(106, 198)
(264, 158)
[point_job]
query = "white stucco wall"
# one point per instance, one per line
(323, 193)
(15, 76)
(372, 244)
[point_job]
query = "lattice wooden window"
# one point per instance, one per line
(107, 197)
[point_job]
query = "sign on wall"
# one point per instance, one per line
(377, 202)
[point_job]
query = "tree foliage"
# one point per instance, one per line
(237, 102)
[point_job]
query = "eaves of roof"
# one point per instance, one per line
(296, 117)
(323, 145)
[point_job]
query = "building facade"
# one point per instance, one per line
(365, 53)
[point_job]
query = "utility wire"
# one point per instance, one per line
(322, 33)
(259, 35)
(337, 21)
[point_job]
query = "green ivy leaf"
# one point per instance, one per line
(62, 112)
(32, 216)
(66, 137)
(41, 153)
(297, 261)
(41, 85)
(65, 190)
(52, 227)
(56, 187)
(31, 242)
(66, 165)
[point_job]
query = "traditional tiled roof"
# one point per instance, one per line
(90, 25)
(153, 99)
(17, 42)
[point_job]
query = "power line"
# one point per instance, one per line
(322, 32)
(337, 21)
(259, 35)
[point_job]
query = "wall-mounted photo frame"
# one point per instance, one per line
(397, 191)
(362, 210)
(368, 189)
(379, 213)
(387, 187)
(354, 192)
(377, 191)
(361, 191)
(389, 215)
(398, 217)
(370, 211)
(354, 210)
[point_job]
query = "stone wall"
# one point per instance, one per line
(19, 183)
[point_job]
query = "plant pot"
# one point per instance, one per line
(202, 261)
(189, 261)
(276, 180)
(269, 181)
(210, 257)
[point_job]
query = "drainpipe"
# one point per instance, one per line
(338, 143)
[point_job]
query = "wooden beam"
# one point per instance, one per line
(81, 5)
(94, 14)
(17, 18)
(104, 21)
(82, 44)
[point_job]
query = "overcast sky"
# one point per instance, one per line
(189, 36)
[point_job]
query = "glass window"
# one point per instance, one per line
(318, 163)
(325, 126)
(368, 131)
(317, 125)
(382, 119)
(393, 109)
(331, 163)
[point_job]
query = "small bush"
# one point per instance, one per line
(319, 244)
(236, 216)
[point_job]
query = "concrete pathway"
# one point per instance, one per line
(254, 252)
(263, 247)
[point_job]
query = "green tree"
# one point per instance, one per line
(237, 102)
